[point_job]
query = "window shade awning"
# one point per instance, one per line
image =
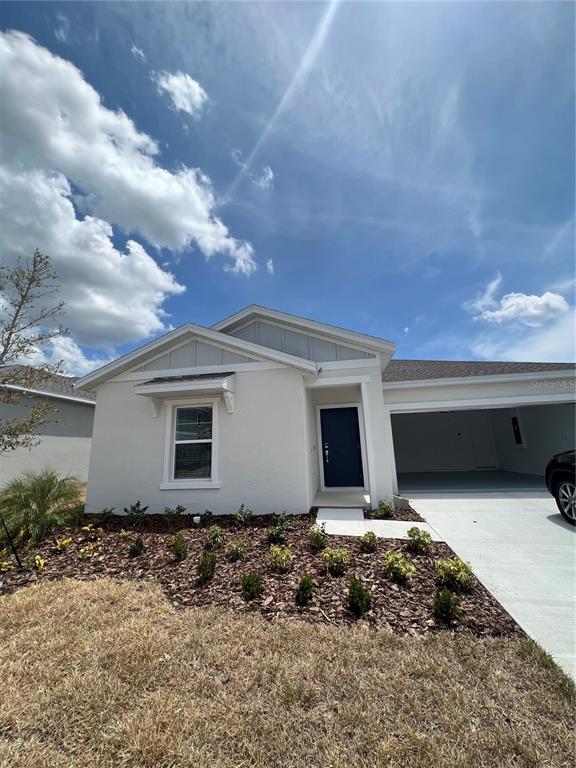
(182, 386)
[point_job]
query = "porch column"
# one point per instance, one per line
(369, 444)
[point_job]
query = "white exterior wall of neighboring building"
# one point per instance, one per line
(261, 449)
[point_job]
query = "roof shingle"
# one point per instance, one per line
(421, 370)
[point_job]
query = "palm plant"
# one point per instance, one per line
(35, 503)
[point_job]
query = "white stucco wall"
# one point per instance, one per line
(263, 461)
(64, 443)
(546, 430)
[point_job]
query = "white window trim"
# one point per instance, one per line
(343, 489)
(168, 482)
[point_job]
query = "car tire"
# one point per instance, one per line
(565, 495)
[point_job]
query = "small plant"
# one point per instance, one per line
(63, 544)
(397, 567)
(206, 566)
(280, 558)
(171, 515)
(39, 562)
(235, 550)
(4, 566)
(206, 518)
(317, 537)
(335, 560)
(85, 552)
(101, 518)
(419, 541)
(137, 547)
(384, 510)
(251, 585)
(277, 534)
(135, 514)
(454, 573)
(91, 533)
(359, 598)
(179, 547)
(446, 606)
(214, 537)
(368, 542)
(242, 517)
(124, 534)
(304, 591)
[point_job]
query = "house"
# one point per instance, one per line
(283, 413)
(64, 442)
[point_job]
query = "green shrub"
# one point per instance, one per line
(35, 503)
(317, 537)
(384, 510)
(397, 567)
(100, 519)
(206, 566)
(446, 607)
(280, 558)
(304, 591)
(359, 598)
(419, 541)
(214, 537)
(137, 547)
(135, 514)
(179, 547)
(206, 518)
(277, 534)
(242, 517)
(335, 560)
(172, 515)
(235, 550)
(454, 573)
(251, 585)
(368, 542)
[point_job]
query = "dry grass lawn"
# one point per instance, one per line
(106, 674)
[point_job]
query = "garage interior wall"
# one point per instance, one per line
(452, 441)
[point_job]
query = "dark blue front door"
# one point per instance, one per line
(341, 451)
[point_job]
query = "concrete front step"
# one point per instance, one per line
(351, 522)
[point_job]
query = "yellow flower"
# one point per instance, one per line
(39, 562)
(61, 544)
(5, 565)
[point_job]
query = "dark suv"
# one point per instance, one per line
(561, 482)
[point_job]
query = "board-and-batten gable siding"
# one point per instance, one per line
(194, 354)
(305, 345)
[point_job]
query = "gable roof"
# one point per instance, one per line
(164, 342)
(47, 384)
(342, 335)
(426, 370)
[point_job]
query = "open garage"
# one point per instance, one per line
(500, 449)
(477, 427)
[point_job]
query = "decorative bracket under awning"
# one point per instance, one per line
(161, 389)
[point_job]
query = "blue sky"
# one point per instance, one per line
(406, 170)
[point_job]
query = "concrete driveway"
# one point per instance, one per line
(523, 551)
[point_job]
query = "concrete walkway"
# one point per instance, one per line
(350, 522)
(524, 553)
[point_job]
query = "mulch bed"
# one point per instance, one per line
(399, 513)
(401, 609)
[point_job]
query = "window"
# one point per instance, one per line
(193, 443)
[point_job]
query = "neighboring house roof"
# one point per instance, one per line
(49, 385)
(422, 370)
(256, 312)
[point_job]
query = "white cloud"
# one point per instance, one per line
(270, 266)
(54, 121)
(63, 30)
(265, 179)
(406, 329)
(138, 53)
(74, 361)
(186, 94)
(487, 298)
(527, 309)
(112, 296)
(555, 344)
